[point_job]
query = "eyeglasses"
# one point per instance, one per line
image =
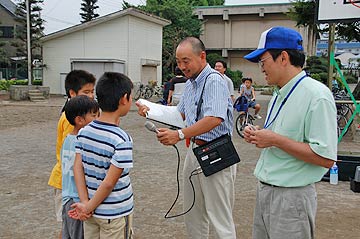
(261, 61)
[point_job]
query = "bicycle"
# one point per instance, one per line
(244, 118)
(342, 111)
(143, 91)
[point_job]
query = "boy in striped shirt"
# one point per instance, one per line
(102, 164)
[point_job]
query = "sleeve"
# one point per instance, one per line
(63, 129)
(320, 130)
(123, 157)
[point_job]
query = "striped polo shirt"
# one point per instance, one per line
(100, 145)
(216, 102)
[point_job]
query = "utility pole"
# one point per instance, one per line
(331, 46)
(28, 41)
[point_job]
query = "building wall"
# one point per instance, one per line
(128, 39)
(7, 19)
(235, 31)
(145, 50)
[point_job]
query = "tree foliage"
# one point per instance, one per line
(303, 12)
(4, 58)
(36, 30)
(183, 24)
(88, 8)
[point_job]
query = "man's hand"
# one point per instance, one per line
(142, 109)
(168, 136)
(261, 138)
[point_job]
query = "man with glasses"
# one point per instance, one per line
(299, 139)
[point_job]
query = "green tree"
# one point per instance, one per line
(303, 12)
(36, 32)
(88, 8)
(183, 24)
(4, 58)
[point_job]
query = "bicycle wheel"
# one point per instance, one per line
(240, 124)
(344, 109)
(137, 94)
(148, 93)
(341, 123)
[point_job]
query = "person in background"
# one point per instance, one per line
(299, 139)
(77, 82)
(249, 92)
(178, 80)
(221, 67)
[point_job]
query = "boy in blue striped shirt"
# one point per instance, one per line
(102, 164)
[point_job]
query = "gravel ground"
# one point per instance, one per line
(27, 146)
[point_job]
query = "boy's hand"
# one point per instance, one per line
(142, 109)
(79, 212)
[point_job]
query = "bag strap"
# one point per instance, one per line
(198, 109)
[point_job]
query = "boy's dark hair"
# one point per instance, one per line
(111, 87)
(222, 62)
(246, 78)
(297, 58)
(76, 79)
(80, 106)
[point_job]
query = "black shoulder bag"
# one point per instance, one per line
(216, 154)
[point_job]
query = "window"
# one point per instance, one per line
(6, 32)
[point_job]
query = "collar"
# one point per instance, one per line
(283, 91)
(202, 76)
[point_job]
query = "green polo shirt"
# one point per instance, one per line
(309, 116)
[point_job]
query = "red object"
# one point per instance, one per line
(187, 142)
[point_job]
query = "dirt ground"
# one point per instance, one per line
(27, 155)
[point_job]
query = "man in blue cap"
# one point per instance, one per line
(299, 139)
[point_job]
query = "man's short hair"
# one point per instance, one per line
(297, 58)
(80, 106)
(76, 79)
(197, 45)
(111, 87)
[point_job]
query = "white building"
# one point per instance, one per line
(128, 41)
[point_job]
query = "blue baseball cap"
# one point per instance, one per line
(276, 38)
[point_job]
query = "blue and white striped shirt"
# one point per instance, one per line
(216, 102)
(100, 145)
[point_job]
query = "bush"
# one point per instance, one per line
(21, 82)
(37, 82)
(5, 84)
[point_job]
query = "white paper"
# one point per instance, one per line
(168, 115)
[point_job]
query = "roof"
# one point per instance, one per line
(9, 6)
(243, 9)
(129, 11)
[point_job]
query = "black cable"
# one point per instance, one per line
(194, 172)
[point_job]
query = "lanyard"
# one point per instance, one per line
(267, 124)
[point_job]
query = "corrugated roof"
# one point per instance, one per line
(9, 6)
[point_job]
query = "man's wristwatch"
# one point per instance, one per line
(181, 134)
